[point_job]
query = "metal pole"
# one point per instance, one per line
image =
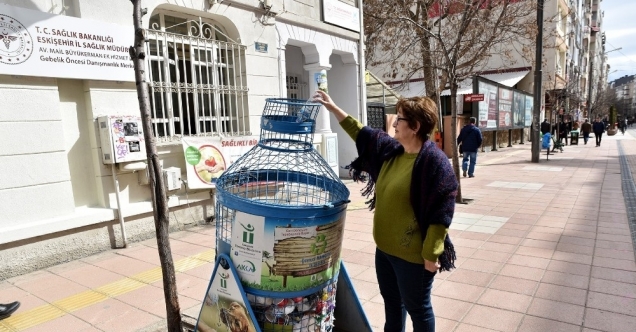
(534, 132)
(120, 212)
(362, 68)
(590, 76)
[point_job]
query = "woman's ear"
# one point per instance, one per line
(417, 127)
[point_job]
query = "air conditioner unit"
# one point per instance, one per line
(172, 178)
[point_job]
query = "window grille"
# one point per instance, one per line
(295, 88)
(196, 77)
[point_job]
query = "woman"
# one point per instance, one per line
(414, 189)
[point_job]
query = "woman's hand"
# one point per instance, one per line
(431, 266)
(325, 100)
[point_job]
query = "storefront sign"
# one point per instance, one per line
(341, 14)
(208, 157)
(275, 255)
(474, 97)
(36, 43)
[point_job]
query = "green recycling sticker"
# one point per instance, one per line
(192, 155)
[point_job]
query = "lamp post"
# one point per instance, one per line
(536, 112)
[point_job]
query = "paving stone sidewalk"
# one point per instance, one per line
(541, 247)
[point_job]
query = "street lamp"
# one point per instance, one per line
(536, 113)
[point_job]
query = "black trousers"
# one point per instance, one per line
(598, 137)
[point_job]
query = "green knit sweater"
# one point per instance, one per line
(395, 229)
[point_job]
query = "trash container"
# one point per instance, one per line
(280, 212)
(574, 137)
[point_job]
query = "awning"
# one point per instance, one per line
(508, 79)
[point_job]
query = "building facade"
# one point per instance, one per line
(210, 66)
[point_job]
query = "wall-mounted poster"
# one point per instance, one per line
(505, 108)
(488, 107)
(529, 102)
(208, 157)
(518, 110)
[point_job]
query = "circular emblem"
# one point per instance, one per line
(16, 44)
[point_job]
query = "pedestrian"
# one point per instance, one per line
(7, 309)
(568, 130)
(586, 128)
(545, 127)
(599, 128)
(414, 205)
(623, 125)
(561, 128)
(470, 138)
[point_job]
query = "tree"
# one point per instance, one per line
(157, 187)
(601, 102)
(455, 37)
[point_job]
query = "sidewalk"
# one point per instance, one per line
(542, 247)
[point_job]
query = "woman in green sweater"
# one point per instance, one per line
(414, 189)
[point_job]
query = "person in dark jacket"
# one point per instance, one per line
(586, 129)
(545, 127)
(599, 128)
(470, 139)
(414, 189)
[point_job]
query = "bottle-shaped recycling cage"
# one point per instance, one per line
(280, 212)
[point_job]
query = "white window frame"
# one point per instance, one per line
(197, 81)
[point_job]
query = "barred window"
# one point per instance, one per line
(196, 76)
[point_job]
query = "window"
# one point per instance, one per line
(295, 89)
(196, 76)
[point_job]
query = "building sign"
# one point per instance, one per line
(260, 47)
(208, 157)
(473, 97)
(341, 14)
(36, 43)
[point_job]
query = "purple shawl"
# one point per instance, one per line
(433, 183)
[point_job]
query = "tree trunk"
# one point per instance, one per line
(453, 125)
(157, 188)
(430, 76)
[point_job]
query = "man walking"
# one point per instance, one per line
(586, 128)
(545, 127)
(599, 128)
(470, 139)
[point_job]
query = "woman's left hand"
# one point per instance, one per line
(431, 266)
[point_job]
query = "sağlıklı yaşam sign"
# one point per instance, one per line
(35, 43)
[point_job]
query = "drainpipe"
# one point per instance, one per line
(119, 211)
(361, 61)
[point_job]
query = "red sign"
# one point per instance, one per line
(474, 97)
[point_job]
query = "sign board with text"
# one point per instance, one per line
(40, 44)
(474, 97)
(341, 14)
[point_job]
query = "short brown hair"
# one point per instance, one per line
(422, 110)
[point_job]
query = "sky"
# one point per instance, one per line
(619, 25)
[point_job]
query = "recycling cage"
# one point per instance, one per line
(280, 212)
